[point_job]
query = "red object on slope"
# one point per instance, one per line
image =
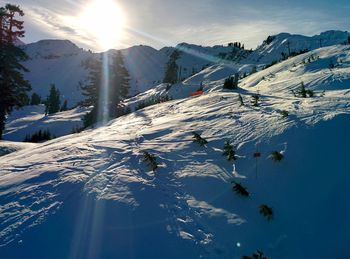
(197, 93)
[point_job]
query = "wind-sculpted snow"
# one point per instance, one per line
(92, 195)
(95, 187)
(29, 120)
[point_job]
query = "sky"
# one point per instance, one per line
(160, 23)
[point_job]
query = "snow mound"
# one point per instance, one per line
(7, 147)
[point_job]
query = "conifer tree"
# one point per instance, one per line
(240, 190)
(266, 211)
(255, 100)
(229, 151)
(240, 99)
(151, 160)
(64, 106)
(231, 82)
(35, 99)
(13, 86)
(91, 90)
(171, 71)
(257, 255)
(53, 101)
(276, 156)
(118, 87)
(119, 80)
(198, 139)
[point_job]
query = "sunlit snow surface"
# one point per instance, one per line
(91, 195)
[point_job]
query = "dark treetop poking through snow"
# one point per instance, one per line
(240, 190)
(276, 156)
(198, 139)
(13, 86)
(266, 211)
(229, 151)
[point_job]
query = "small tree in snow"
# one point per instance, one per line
(53, 101)
(64, 107)
(276, 156)
(229, 151)
(303, 92)
(255, 100)
(198, 139)
(231, 83)
(151, 160)
(240, 190)
(284, 114)
(240, 99)
(266, 211)
(257, 255)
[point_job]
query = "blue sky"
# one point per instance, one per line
(206, 22)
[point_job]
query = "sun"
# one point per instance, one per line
(104, 22)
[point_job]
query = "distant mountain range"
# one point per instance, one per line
(61, 62)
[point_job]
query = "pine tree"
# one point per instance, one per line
(119, 83)
(276, 156)
(35, 99)
(151, 160)
(303, 92)
(118, 87)
(198, 139)
(13, 86)
(266, 211)
(240, 190)
(257, 255)
(53, 101)
(231, 82)
(64, 107)
(255, 100)
(171, 71)
(240, 99)
(229, 151)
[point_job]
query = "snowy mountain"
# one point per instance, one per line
(62, 63)
(272, 48)
(58, 62)
(92, 195)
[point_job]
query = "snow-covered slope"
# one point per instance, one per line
(56, 62)
(94, 192)
(7, 147)
(31, 119)
(287, 43)
(146, 67)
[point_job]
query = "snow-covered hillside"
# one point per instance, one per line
(62, 63)
(272, 49)
(7, 147)
(31, 119)
(91, 195)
